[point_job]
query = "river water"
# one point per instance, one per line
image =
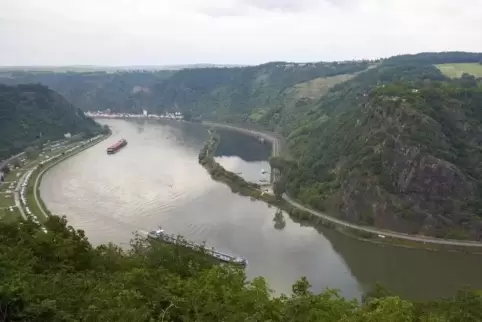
(156, 180)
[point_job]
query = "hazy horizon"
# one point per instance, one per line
(116, 33)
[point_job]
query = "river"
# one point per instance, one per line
(156, 180)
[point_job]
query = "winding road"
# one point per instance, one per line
(421, 239)
(35, 191)
(275, 142)
(16, 195)
(415, 238)
(47, 167)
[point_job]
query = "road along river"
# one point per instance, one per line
(156, 180)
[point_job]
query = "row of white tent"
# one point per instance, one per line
(29, 174)
(23, 198)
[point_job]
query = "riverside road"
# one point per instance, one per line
(421, 239)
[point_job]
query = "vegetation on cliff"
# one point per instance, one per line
(31, 114)
(392, 143)
(120, 91)
(59, 276)
(396, 147)
(217, 172)
(228, 94)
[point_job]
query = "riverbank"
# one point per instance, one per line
(18, 187)
(271, 137)
(219, 173)
(34, 202)
(304, 214)
(275, 140)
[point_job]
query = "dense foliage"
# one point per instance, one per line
(32, 114)
(128, 91)
(59, 276)
(221, 93)
(397, 147)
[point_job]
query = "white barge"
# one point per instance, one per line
(172, 239)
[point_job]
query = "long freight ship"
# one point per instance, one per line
(116, 146)
(171, 239)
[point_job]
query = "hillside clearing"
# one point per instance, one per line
(316, 88)
(456, 70)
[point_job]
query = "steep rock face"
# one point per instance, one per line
(407, 158)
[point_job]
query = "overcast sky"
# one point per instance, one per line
(166, 32)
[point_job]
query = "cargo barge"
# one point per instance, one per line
(117, 146)
(160, 235)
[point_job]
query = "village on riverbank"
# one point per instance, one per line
(108, 114)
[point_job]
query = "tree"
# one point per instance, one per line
(279, 187)
(5, 169)
(187, 116)
(31, 153)
(32, 114)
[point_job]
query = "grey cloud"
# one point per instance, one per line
(284, 5)
(297, 5)
(242, 7)
(217, 12)
(115, 32)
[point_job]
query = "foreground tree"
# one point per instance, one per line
(59, 276)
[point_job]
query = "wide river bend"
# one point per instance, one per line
(156, 180)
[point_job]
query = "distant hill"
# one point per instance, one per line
(31, 114)
(210, 92)
(93, 68)
(393, 143)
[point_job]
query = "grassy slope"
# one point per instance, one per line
(289, 108)
(316, 88)
(345, 165)
(458, 69)
(406, 162)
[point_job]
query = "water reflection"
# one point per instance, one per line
(279, 220)
(247, 148)
(157, 180)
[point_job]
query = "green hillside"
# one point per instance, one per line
(97, 90)
(406, 161)
(215, 92)
(397, 147)
(457, 70)
(33, 114)
(59, 276)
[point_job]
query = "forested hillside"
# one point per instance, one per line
(32, 114)
(119, 91)
(397, 147)
(392, 143)
(59, 276)
(219, 93)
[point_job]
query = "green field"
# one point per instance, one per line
(7, 215)
(318, 87)
(456, 70)
(6, 200)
